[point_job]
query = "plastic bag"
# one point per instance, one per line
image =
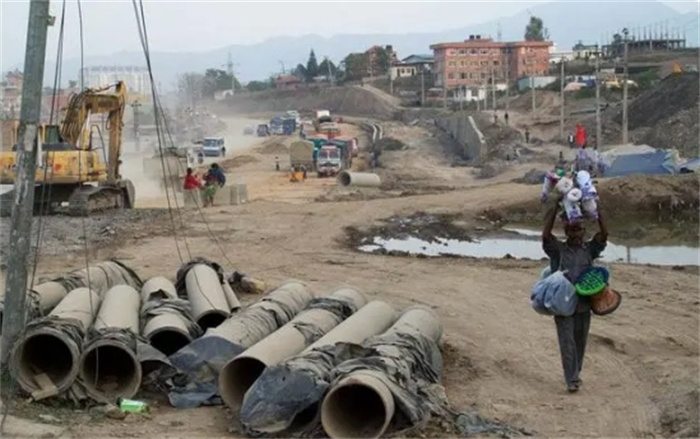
(553, 295)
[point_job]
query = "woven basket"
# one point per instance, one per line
(605, 302)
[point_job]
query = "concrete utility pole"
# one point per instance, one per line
(229, 67)
(422, 85)
(21, 220)
(534, 102)
(135, 106)
(561, 98)
(507, 78)
(284, 72)
(493, 88)
(330, 71)
(625, 139)
(598, 126)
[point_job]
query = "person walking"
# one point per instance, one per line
(527, 135)
(213, 179)
(573, 257)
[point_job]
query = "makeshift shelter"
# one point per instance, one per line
(643, 161)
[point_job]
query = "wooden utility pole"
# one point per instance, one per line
(598, 127)
(625, 139)
(561, 98)
(14, 316)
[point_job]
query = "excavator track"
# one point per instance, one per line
(88, 200)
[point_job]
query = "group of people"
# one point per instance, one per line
(213, 179)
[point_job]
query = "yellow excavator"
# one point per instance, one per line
(70, 170)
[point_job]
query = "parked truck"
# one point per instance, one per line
(301, 153)
(329, 161)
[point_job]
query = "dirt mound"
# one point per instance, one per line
(669, 200)
(502, 141)
(348, 100)
(389, 144)
(237, 162)
(272, 146)
(546, 102)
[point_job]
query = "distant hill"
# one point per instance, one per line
(567, 22)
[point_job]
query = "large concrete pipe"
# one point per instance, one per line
(206, 296)
(239, 332)
(51, 345)
(321, 316)
(360, 403)
(362, 179)
(287, 396)
(41, 299)
(167, 323)
(109, 367)
(233, 303)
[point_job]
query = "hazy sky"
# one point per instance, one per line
(110, 26)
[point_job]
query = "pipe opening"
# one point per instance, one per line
(49, 354)
(345, 178)
(211, 319)
(355, 411)
(305, 418)
(169, 342)
(112, 371)
(239, 376)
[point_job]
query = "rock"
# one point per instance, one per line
(112, 411)
(49, 418)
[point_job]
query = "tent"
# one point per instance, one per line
(649, 163)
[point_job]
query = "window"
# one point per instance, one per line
(450, 76)
(496, 63)
(451, 63)
(472, 51)
(463, 76)
(462, 52)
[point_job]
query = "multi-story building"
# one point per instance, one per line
(137, 79)
(480, 61)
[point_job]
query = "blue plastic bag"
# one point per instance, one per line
(553, 295)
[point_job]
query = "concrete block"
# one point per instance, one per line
(239, 194)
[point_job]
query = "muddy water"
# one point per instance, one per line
(525, 244)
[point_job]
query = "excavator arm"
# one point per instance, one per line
(97, 101)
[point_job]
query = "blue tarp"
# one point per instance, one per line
(652, 163)
(690, 166)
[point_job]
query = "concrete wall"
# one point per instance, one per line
(463, 129)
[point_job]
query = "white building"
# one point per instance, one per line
(137, 80)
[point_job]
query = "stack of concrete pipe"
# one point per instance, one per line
(360, 402)
(109, 367)
(288, 394)
(239, 332)
(42, 298)
(322, 315)
(211, 299)
(167, 322)
(45, 359)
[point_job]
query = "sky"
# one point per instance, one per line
(182, 26)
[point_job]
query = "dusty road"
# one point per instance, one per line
(501, 358)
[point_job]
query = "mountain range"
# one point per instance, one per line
(568, 22)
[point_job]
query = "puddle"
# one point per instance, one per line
(525, 244)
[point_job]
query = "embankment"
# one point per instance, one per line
(463, 129)
(346, 100)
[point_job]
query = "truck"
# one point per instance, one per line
(301, 153)
(289, 125)
(329, 161)
(277, 125)
(350, 143)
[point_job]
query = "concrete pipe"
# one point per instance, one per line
(45, 295)
(167, 332)
(239, 374)
(109, 367)
(206, 296)
(361, 405)
(360, 179)
(233, 303)
(51, 345)
(160, 286)
(287, 395)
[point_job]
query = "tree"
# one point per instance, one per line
(535, 30)
(383, 59)
(327, 66)
(300, 72)
(190, 88)
(356, 66)
(216, 80)
(258, 85)
(72, 84)
(311, 67)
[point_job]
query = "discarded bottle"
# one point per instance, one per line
(132, 406)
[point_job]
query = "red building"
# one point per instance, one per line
(287, 82)
(475, 61)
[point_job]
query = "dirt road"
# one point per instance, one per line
(501, 358)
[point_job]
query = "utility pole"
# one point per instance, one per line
(598, 127)
(422, 85)
(284, 72)
(229, 67)
(507, 78)
(135, 106)
(493, 88)
(625, 139)
(330, 71)
(532, 87)
(561, 98)
(23, 203)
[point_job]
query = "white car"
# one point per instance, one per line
(214, 147)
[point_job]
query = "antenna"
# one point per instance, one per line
(498, 32)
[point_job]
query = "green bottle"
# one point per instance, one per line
(132, 406)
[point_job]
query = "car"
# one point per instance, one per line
(214, 147)
(248, 131)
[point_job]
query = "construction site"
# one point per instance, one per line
(329, 263)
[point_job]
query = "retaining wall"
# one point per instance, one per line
(464, 131)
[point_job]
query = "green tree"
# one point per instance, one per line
(258, 85)
(300, 72)
(535, 30)
(327, 66)
(72, 84)
(190, 88)
(311, 67)
(356, 66)
(216, 80)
